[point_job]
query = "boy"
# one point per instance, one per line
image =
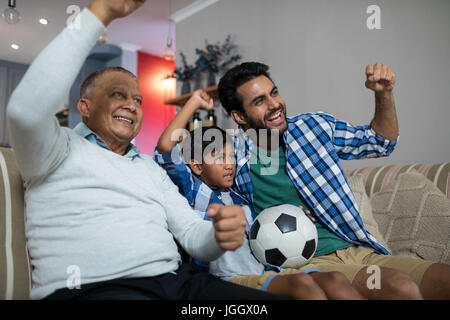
(208, 179)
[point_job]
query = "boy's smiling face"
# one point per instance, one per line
(218, 168)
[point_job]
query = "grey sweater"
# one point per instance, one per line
(109, 216)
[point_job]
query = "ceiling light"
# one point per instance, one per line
(15, 46)
(11, 15)
(169, 53)
(43, 21)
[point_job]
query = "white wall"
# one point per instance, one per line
(318, 50)
(129, 60)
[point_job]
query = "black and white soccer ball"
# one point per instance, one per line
(283, 236)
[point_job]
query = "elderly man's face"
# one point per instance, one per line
(115, 108)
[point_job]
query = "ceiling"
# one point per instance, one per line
(147, 29)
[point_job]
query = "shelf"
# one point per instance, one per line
(181, 100)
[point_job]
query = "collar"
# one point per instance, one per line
(245, 146)
(83, 131)
(237, 198)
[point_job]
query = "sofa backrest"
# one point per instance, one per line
(14, 263)
(15, 269)
(375, 178)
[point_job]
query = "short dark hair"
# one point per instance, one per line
(204, 139)
(234, 78)
(89, 83)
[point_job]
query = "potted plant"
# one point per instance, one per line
(185, 73)
(216, 58)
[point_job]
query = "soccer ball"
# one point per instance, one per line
(283, 236)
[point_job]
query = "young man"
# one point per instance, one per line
(94, 203)
(204, 174)
(305, 151)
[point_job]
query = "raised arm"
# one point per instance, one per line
(35, 134)
(381, 79)
(39, 142)
(169, 137)
(380, 137)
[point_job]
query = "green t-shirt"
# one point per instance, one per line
(272, 189)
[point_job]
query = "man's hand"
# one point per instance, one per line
(229, 223)
(308, 214)
(108, 10)
(380, 78)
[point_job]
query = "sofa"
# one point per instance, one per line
(406, 207)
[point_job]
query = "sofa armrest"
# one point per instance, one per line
(15, 271)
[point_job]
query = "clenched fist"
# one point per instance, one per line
(200, 99)
(108, 10)
(380, 78)
(229, 223)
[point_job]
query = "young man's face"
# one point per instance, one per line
(263, 106)
(115, 108)
(218, 168)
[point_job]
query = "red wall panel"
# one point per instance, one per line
(151, 72)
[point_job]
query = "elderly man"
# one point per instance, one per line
(94, 203)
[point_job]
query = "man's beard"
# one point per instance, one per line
(257, 124)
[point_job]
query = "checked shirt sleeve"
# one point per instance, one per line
(358, 142)
(178, 171)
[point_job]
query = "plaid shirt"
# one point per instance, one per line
(314, 144)
(198, 193)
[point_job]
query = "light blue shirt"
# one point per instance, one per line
(83, 131)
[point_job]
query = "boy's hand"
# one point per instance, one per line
(108, 10)
(171, 135)
(229, 223)
(200, 100)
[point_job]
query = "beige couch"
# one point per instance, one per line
(407, 207)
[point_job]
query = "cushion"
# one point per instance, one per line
(14, 263)
(376, 178)
(365, 208)
(413, 215)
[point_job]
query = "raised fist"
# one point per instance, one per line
(202, 100)
(108, 10)
(229, 223)
(379, 77)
